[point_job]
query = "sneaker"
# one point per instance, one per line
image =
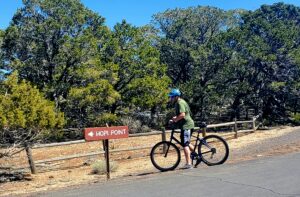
(187, 166)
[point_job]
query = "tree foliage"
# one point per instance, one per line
(24, 112)
(186, 34)
(223, 61)
(193, 49)
(1, 56)
(264, 70)
(86, 68)
(141, 78)
(234, 60)
(90, 100)
(48, 41)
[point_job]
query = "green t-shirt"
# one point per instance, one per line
(182, 107)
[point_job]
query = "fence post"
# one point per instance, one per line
(253, 124)
(204, 132)
(163, 138)
(235, 128)
(30, 159)
(163, 134)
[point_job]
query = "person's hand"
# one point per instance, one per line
(172, 121)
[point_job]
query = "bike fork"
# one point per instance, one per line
(194, 155)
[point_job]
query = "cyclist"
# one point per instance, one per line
(185, 122)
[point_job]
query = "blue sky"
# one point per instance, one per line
(139, 12)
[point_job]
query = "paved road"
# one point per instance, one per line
(271, 176)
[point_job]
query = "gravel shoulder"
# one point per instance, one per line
(266, 143)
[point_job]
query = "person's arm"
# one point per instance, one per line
(179, 117)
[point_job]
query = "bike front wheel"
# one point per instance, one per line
(165, 156)
(213, 150)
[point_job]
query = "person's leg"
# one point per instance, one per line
(186, 145)
(191, 146)
(187, 153)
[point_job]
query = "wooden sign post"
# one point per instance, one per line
(106, 133)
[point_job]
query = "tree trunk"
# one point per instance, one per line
(153, 119)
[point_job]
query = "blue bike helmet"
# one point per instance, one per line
(174, 92)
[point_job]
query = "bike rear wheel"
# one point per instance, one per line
(213, 150)
(165, 156)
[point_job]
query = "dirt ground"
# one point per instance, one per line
(135, 163)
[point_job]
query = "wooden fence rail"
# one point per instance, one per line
(32, 163)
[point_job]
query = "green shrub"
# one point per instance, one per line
(296, 118)
(25, 113)
(145, 129)
(99, 167)
(104, 118)
(133, 124)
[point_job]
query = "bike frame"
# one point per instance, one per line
(197, 155)
(198, 139)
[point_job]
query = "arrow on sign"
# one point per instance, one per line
(91, 134)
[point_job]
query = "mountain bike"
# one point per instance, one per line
(211, 149)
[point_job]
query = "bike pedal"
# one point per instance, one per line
(197, 163)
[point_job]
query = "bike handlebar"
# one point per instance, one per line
(201, 125)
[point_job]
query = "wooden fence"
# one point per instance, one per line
(163, 133)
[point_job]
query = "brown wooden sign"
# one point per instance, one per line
(102, 133)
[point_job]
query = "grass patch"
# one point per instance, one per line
(99, 167)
